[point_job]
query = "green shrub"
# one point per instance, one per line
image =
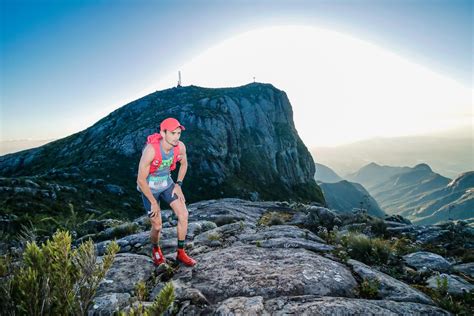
(467, 255)
(163, 300)
(356, 228)
(403, 246)
(5, 262)
(442, 285)
(119, 231)
(367, 250)
(169, 272)
(330, 236)
(379, 228)
(214, 236)
(140, 291)
(341, 253)
(369, 288)
(274, 218)
(456, 304)
(161, 303)
(53, 279)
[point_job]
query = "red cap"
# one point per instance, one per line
(170, 124)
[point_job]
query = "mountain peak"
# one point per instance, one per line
(241, 142)
(423, 166)
(372, 165)
(326, 174)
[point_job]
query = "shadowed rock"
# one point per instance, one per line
(456, 284)
(389, 288)
(313, 305)
(466, 268)
(426, 260)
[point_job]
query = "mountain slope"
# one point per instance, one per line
(241, 142)
(344, 196)
(424, 196)
(448, 154)
(373, 174)
(326, 174)
(454, 201)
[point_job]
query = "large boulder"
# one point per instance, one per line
(389, 288)
(423, 260)
(254, 271)
(285, 236)
(314, 305)
(126, 271)
(321, 216)
(456, 284)
(466, 268)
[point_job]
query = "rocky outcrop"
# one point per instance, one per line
(389, 288)
(117, 288)
(466, 268)
(128, 270)
(247, 266)
(456, 284)
(424, 260)
(253, 271)
(241, 142)
(314, 305)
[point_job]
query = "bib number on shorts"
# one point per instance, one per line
(157, 183)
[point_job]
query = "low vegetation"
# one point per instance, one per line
(53, 278)
(274, 218)
(369, 288)
(371, 244)
(162, 302)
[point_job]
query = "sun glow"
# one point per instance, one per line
(341, 88)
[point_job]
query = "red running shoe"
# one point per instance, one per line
(157, 256)
(184, 258)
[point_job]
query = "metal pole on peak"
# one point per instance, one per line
(179, 79)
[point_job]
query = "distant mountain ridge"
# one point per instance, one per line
(326, 174)
(344, 196)
(449, 154)
(373, 174)
(418, 193)
(454, 201)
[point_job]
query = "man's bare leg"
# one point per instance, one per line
(156, 226)
(179, 208)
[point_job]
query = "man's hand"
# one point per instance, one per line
(179, 193)
(155, 209)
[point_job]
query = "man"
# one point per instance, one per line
(154, 181)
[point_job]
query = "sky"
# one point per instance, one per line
(66, 64)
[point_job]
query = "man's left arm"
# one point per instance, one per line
(183, 168)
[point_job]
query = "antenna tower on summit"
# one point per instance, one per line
(179, 79)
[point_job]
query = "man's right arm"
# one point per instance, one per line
(143, 170)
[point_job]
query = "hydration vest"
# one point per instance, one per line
(154, 140)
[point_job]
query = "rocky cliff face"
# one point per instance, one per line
(241, 142)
